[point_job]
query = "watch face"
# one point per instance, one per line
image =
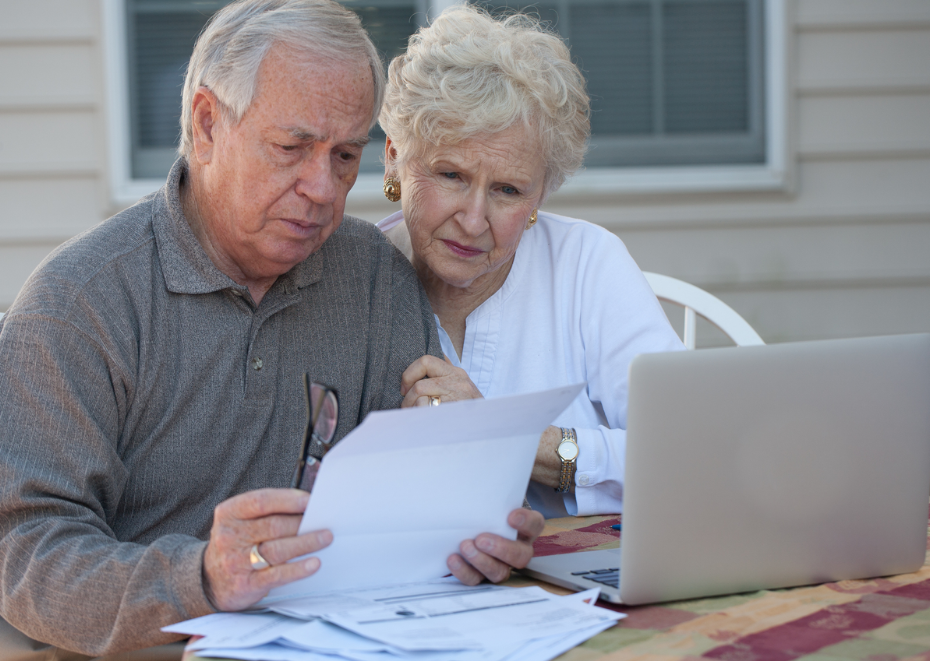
(568, 450)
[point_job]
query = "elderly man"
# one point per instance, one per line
(150, 402)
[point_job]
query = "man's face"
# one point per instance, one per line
(275, 185)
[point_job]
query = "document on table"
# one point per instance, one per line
(407, 486)
(433, 621)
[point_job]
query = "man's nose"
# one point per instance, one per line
(317, 179)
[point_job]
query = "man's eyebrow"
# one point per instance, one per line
(307, 136)
(360, 142)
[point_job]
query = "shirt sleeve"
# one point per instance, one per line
(65, 578)
(403, 329)
(617, 318)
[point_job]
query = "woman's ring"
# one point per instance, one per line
(257, 560)
(435, 401)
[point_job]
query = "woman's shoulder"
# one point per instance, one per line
(565, 235)
(395, 229)
(576, 230)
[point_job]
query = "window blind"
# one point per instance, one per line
(160, 37)
(672, 82)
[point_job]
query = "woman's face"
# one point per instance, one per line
(466, 206)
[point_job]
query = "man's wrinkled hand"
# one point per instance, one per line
(431, 377)
(268, 518)
(492, 557)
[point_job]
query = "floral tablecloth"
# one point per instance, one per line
(883, 619)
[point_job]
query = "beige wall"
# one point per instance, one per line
(844, 252)
(52, 137)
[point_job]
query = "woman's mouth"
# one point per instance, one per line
(459, 249)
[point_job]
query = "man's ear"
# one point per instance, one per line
(205, 116)
(390, 157)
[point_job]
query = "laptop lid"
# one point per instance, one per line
(774, 466)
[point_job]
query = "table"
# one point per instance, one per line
(883, 619)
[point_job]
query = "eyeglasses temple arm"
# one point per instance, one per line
(308, 432)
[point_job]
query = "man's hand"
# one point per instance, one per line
(431, 377)
(266, 517)
(491, 556)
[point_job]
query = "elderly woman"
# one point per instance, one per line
(485, 119)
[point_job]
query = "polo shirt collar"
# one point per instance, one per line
(186, 267)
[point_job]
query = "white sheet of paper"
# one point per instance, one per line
(484, 628)
(269, 652)
(326, 638)
(492, 623)
(234, 629)
(544, 649)
(317, 605)
(407, 486)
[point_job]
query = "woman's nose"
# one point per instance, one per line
(473, 217)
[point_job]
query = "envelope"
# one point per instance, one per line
(407, 486)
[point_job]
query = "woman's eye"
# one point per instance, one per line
(509, 190)
(450, 175)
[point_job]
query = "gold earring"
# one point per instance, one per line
(392, 189)
(532, 220)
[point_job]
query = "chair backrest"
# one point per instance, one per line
(697, 301)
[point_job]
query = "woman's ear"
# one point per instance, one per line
(390, 157)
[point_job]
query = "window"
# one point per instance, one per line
(672, 82)
(679, 88)
(160, 35)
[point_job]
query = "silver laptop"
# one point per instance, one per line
(766, 467)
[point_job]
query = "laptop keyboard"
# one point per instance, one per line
(609, 577)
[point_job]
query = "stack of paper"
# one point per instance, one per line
(435, 620)
(400, 493)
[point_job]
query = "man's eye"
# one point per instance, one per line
(348, 156)
(288, 147)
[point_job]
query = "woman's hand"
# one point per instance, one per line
(431, 377)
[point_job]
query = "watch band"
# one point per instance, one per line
(567, 474)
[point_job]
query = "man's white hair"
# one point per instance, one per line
(468, 74)
(230, 50)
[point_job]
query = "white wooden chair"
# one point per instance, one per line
(696, 301)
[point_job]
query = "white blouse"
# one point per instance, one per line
(575, 307)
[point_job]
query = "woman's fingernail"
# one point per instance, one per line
(324, 538)
(312, 564)
(485, 544)
(469, 550)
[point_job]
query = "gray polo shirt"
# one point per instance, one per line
(140, 387)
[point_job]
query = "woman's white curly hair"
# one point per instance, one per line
(469, 74)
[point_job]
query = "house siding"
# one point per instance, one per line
(843, 251)
(52, 137)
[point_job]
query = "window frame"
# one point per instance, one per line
(772, 175)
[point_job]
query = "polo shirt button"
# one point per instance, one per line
(583, 480)
(256, 364)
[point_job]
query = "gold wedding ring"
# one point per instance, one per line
(257, 560)
(435, 401)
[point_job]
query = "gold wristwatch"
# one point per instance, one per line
(568, 453)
